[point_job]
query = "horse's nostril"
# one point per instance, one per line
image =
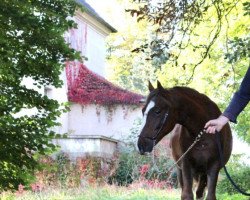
(142, 152)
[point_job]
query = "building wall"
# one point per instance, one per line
(96, 51)
(96, 130)
(81, 146)
(114, 122)
(89, 39)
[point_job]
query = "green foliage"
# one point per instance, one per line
(240, 174)
(183, 27)
(32, 45)
(232, 197)
(239, 49)
(123, 175)
(63, 169)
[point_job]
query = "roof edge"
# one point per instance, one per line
(91, 11)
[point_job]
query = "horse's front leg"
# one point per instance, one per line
(200, 192)
(212, 178)
(179, 176)
(187, 193)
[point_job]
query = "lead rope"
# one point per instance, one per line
(197, 139)
(155, 167)
(217, 134)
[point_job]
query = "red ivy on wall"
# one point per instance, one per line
(86, 87)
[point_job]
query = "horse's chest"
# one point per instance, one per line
(202, 146)
(201, 153)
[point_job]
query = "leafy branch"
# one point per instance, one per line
(177, 23)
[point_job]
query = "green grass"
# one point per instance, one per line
(106, 193)
(100, 193)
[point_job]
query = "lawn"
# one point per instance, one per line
(101, 193)
(105, 193)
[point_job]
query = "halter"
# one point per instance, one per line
(158, 132)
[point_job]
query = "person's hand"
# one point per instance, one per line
(216, 124)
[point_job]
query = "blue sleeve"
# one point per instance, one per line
(240, 99)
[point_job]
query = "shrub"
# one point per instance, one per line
(61, 172)
(57, 172)
(133, 167)
(95, 170)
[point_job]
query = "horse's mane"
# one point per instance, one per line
(188, 93)
(191, 93)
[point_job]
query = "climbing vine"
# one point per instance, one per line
(86, 87)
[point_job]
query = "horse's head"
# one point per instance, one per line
(158, 118)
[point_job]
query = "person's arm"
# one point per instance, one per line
(239, 100)
(237, 104)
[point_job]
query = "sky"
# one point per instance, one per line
(110, 10)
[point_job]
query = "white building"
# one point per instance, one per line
(101, 114)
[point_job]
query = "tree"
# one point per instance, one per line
(31, 45)
(201, 44)
(179, 25)
(130, 70)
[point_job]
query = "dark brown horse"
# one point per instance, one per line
(185, 111)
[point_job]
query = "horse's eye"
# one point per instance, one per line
(157, 111)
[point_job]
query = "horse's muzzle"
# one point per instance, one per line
(145, 147)
(142, 152)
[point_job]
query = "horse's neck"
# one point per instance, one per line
(192, 116)
(193, 125)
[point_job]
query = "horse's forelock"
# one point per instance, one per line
(163, 93)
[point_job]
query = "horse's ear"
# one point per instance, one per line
(159, 86)
(150, 86)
